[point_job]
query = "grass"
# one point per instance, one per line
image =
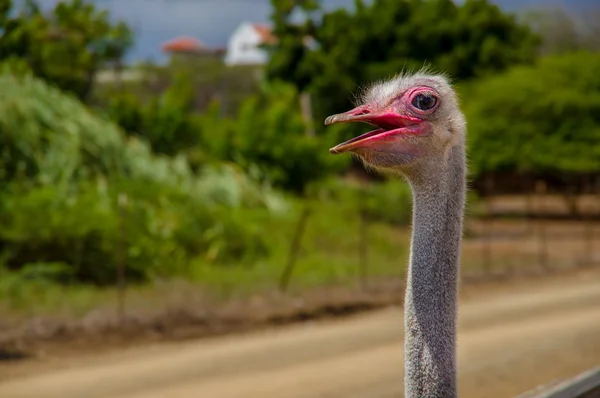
(329, 253)
(328, 256)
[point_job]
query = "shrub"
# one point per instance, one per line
(542, 119)
(389, 201)
(63, 170)
(166, 121)
(269, 136)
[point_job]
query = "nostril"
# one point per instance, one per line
(359, 111)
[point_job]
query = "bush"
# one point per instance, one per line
(269, 135)
(541, 119)
(389, 201)
(166, 122)
(63, 170)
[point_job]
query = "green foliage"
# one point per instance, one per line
(270, 134)
(382, 38)
(267, 137)
(328, 256)
(288, 53)
(63, 171)
(66, 46)
(166, 121)
(388, 201)
(541, 118)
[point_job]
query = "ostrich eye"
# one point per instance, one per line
(424, 102)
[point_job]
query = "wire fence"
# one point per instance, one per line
(508, 236)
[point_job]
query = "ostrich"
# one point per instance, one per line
(421, 135)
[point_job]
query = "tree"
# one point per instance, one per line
(541, 120)
(290, 50)
(268, 136)
(387, 36)
(66, 46)
(166, 121)
(62, 170)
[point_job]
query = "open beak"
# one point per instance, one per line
(390, 123)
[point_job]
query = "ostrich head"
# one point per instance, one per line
(417, 119)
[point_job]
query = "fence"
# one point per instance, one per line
(585, 385)
(540, 226)
(505, 236)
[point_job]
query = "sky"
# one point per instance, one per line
(212, 21)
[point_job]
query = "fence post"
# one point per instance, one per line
(363, 243)
(540, 188)
(488, 224)
(122, 204)
(286, 275)
(589, 225)
(529, 211)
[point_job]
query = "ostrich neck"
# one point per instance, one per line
(432, 287)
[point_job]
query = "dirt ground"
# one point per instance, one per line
(512, 338)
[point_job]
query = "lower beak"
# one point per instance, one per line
(354, 143)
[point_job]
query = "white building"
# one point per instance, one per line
(244, 43)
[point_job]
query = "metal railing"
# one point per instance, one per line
(584, 385)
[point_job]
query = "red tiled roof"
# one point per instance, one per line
(184, 44)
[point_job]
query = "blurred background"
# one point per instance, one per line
(165, 172)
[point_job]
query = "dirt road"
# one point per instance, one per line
(510, 340)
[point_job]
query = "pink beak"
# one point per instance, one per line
(358, 114)
(390, 123)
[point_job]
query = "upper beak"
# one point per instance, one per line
(385, 119)
(358, 114)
